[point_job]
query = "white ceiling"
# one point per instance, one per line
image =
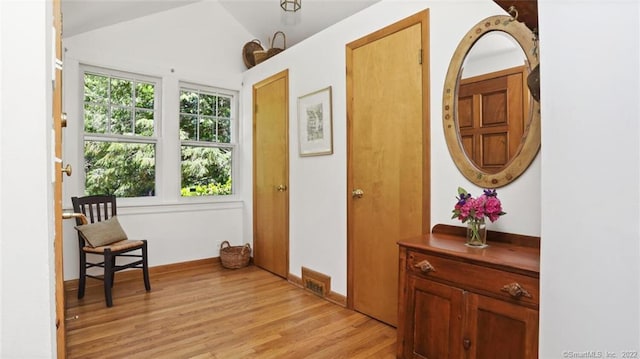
(261, 18)
(80, 16)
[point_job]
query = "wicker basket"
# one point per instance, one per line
(276, 50)
(261, 54)
(247, 52)
(234, 257)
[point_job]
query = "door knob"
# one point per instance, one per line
(357, 193)
(67, 169)
(281, 188)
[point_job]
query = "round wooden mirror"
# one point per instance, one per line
(491, 122)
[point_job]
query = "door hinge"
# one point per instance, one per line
(420, 57)
(255, 108)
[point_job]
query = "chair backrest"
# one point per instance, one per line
(96, 208)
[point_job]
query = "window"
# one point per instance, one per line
(207, 122)
(120, 126)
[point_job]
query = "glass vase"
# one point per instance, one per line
(476, 233)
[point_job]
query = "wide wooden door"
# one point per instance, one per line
(388, 159)
(271, 174)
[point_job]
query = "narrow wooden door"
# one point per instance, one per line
(388, 159)
(271, 174)
(57, 190)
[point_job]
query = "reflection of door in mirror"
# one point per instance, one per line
(493, 101)
(491, 113)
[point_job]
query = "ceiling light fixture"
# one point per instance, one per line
(291, 5)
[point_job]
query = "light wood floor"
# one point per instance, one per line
(206, 311)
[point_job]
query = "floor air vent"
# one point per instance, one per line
(315, 282)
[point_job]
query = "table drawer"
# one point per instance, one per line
(476, 278)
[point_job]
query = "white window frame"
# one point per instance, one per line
(232, 145)
(155, 139)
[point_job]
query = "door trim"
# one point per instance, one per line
(421, 18)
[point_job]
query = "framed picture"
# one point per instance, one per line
(315, 123)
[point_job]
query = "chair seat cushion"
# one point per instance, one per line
(117, 246)
(102, 233)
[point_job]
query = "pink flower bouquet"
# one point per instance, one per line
(475, 209)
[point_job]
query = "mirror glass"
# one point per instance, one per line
(490, 119)
(493, 100)
(492, 52)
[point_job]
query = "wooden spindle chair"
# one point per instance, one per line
(103, 236)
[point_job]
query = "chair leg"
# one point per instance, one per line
(145, 267)
(83, 274)
(113, 266)
(108, 276)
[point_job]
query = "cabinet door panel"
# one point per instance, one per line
(435, 312)
(501, 330)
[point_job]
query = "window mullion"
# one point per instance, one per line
(132, 109)
(109, 112)
(216, 99)
(198, 114)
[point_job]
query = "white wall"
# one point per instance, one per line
(27, 302)
(318, 184)
(198, 43)
(590, 288)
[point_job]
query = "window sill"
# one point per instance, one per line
(135, 206)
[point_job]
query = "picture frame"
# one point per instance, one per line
(315, 123)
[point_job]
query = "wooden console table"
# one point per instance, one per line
(461, 302)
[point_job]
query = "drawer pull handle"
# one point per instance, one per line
(515, 290)
(425, 266)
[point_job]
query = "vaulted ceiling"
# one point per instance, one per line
(261, 18)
